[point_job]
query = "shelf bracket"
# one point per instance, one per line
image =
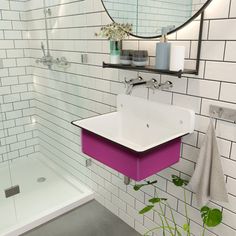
(199, 43)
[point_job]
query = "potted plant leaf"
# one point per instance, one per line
(115, 32)
(210, 217)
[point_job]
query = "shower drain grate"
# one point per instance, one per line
(12, 191)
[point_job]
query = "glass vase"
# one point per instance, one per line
(115, 51)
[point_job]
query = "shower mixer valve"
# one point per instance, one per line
(49, 61)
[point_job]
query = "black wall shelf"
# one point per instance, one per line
(166, 72)
(151, 69)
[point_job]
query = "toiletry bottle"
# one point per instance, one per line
(163, 50)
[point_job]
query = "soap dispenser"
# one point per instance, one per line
(163, 50)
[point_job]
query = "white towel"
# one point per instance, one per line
(208, 179)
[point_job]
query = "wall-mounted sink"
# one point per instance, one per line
(138, 140)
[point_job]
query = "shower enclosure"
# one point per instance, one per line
(33, 188)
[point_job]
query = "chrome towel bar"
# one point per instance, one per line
(223, 113)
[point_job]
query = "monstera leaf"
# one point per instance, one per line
(178, 181)
(139, 186)
(211, 217)
(157, 200)
(146, 209)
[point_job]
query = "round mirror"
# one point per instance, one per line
(150, 17)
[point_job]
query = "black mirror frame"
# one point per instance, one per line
(173, 31)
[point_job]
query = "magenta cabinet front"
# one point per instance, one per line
(136, 165)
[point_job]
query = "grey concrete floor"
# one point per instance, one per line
(91, 219)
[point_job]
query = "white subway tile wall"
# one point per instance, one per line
(83, 90)
(18, 135)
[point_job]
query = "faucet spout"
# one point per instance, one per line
(134, 83)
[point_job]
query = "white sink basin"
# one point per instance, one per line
(140, 124)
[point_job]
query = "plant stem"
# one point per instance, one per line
(167, 223)
(173, 218)
(162, 212)
(163, 225)
(204, 230)
(176, 228)
(186, 212)
(154, 229)
(162, 222)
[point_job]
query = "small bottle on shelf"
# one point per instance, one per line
(163, 50)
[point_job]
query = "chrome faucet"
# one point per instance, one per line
(133, 83)
(151, 84)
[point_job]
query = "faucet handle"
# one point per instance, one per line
(136, 80)
(132, 81)
(126, 82)
(166, 85)
(43, 49)
(152, 84)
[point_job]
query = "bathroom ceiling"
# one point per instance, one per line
(148, 17)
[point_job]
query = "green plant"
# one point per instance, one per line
(115, 31)
(211, 217)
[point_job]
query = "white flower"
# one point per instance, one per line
(115, 31)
